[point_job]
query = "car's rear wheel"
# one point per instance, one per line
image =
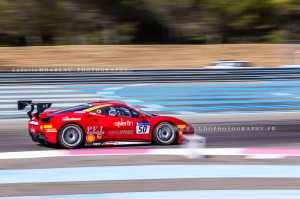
(71, 136)
(164, 133)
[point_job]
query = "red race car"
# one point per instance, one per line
(101, 123)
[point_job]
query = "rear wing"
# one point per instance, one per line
(41, 107)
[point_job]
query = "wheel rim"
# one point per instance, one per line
(71, 136)
(165, 133)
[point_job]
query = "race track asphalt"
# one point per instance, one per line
(285, 133)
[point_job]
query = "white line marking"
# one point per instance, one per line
(21, 87)
(38, 91)
(53, 95)
(265, 156)
(113, 88)
(281, 94)
(55, 100)
(186, 112)
(139, 84)
(168, 151)
(105, 93)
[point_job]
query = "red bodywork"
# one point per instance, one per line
(100, 128)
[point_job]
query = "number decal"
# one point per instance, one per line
(142, 128)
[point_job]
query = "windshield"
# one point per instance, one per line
(141, 111)
(72, 109)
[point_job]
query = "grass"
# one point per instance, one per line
(143, 56)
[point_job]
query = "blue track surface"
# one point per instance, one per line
(110, 173)
(176, 99)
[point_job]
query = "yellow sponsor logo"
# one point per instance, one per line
(90, 138)
(48, 126)
(41, 128)
(181, 126)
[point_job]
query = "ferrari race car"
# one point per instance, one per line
(101, 123)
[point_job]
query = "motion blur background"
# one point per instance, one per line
(264, 32)
(64, 22)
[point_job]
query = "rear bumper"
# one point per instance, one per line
(39, 132)
(39, 137)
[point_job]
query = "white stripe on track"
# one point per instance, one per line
(56, 100)
(53, 95)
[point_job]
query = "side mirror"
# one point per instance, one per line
(87, 114)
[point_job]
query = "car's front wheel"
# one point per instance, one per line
(164, 133)
(71, 136)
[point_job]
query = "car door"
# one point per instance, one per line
(101, 124)
(129, 125)
(120, 123)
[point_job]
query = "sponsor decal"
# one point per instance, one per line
(90, 138)
(120, 132)
(33, 123)
(181, 126)
(109, 143)
(67, 118)
(97, 144)
(32, 130)
(95, 130)
(48, 126)
(123, 123)
(142, 128)
(41, 127)
(51, 130)
(99, 136)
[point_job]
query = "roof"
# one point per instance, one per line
(113, 103)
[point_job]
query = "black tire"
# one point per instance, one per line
(165, 133)
(71, 136)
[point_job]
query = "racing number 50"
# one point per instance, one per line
(142, 129)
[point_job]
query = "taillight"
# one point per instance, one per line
(45, 120)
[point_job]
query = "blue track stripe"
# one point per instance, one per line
(283, 106)
(211, 97)
(199, 102)
(179, 93)
(211, 102)
(215, 108)
(110, 173)
(188, 89)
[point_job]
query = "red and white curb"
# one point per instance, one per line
(255, 153)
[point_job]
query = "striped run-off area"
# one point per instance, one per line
(173, 99)
(125, 177)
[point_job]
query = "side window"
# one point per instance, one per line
(101, 111)
(115, 111)
(121, 112)
(134, 114)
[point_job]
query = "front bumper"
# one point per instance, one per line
(184, 130)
